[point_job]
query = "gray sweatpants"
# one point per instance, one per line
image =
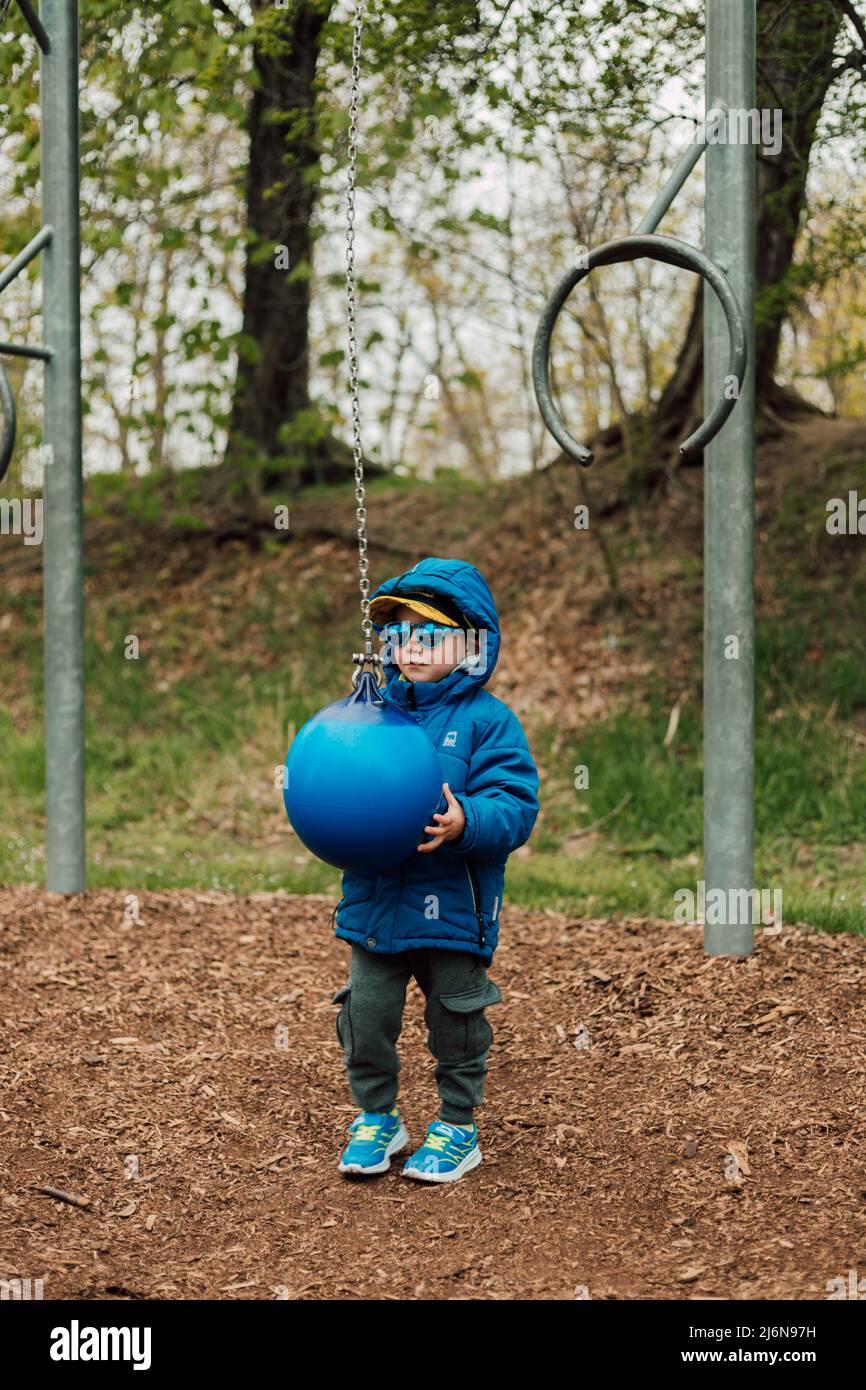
(457, 990)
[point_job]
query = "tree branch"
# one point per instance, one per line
(223, 8)
(850, 13)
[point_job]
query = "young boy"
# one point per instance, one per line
(435, 917)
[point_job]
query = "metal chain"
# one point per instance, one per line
(360, 510)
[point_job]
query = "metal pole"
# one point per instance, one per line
(729, 521)
(62, 555)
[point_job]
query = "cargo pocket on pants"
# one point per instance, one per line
(465, 1033)
(344, 1021)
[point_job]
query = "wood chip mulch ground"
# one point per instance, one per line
(656, 1124)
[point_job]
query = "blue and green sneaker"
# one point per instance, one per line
(447, 1153)
(375, 1136)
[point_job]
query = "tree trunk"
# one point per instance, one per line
(272, 384)
(795, 72)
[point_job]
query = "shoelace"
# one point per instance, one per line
(366, 1132)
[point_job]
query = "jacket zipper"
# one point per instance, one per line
(475, 903)
(410, 698)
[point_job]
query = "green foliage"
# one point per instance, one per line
(180, 771)
(469, 378)
(166, 97)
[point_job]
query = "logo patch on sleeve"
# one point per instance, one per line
(450, 739)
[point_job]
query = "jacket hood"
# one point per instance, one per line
(464, 585)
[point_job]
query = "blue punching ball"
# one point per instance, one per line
(362, 781)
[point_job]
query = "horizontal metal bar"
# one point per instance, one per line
(37, 28)
(24, 257)
(26, 350)
(683, 167)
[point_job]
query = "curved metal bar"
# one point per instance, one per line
(7, 422)
(632, 248)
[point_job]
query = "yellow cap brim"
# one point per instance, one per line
(382, 609)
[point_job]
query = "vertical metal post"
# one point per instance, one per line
(63, 529)
(729, 470)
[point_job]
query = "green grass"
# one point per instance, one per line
(181, 793)
(181, 771)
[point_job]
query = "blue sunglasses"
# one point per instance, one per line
(428, 634)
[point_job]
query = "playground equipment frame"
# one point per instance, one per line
(728, 270)
(727, 440)
(55, 29)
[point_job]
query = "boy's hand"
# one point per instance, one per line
(451, 823)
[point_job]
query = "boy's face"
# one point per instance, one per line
(418, 660)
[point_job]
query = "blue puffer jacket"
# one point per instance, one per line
(451, 896)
